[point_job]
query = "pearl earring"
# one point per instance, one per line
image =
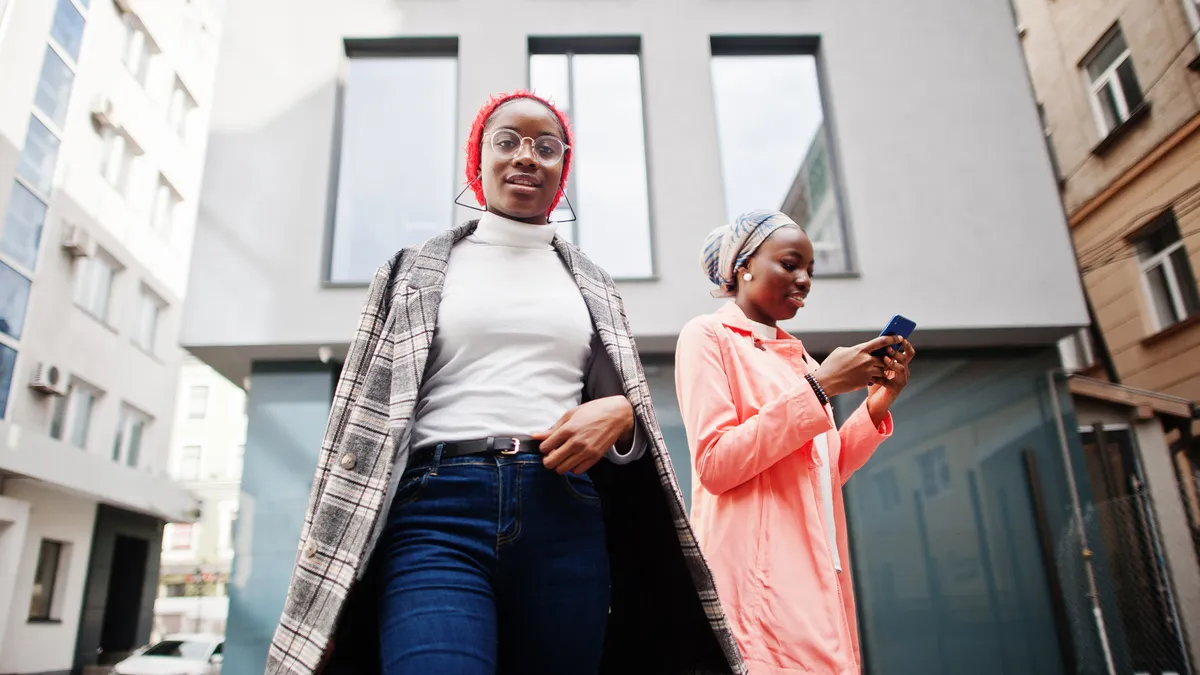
(747, 276)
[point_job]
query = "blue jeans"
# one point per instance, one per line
(493, 565)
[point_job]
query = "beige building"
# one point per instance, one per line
(103, 128)
(1120, 97)
(1118, 88)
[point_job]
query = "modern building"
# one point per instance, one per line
(207, 442)
(103, 125)
(924, 176)
(1118, 87)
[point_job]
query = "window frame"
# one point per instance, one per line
(184, 453)
(122, 443)
(148, 298)
(132, 26)
(591, 45)
(191, 412)
(193, 530)
(394, 47)
(1162, 258)
(1109, 77)
(84, 276)
(733, 45)
(163, 218)
(66, 412)
(129, 153)
(61, 557)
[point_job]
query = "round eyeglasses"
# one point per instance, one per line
(547, 150)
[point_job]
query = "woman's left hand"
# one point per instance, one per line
(885, 390)
(583, 435)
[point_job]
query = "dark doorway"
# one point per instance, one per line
(119, 634)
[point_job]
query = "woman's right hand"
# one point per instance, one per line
(851, 368)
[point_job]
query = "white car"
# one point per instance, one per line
(176, 655)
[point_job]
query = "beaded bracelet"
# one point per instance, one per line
(817, 389)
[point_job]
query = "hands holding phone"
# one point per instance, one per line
(851, 368)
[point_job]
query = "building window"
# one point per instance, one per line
(54, 88)
(1116, 93)
(72, 415)
(93, 284)
(175, 590)
(198, 402)
(1049, 135)
(1166, 272)
(234, 469)
(396, 168)
(14, 298)
(166, 203)
(180, 536)
(138, 49)
(777, 156)
(228, 512)
(598, 82)
(23, 226)
(39, 156)
(150, 307)
(127, 445)
(50, 560)
(116, 159)
(934, 471)
(1076, 351)
(8, 360)
(180, 109)
(67, 30)
(189, 463)
(888, 489)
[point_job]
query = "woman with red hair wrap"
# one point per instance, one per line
(494, 494)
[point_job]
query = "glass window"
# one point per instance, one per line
(83, 400)
(45, 578)
(58, 417)
(68, 26)
(777, 156)
(116, 160)
(8, 360)
(946, 524)
(602, 93)
(189, 463)
(93, 284)
(179, 537)
(1116, 93)
(395, 183)
(147, 328)
(180, 108)
(166, 202)
(1167, 273)
(54, 88)
(39, 156)
(23, 226)
(14, 298)
(138, 49)
(198, 402)
(127, 444)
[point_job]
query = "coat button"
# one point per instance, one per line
(348, 461)
(310, 550)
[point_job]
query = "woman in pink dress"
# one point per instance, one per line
(768, 461)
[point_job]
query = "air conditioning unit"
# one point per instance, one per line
(49, 379)
(77, 242)
(103, 113)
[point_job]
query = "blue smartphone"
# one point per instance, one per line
(899, 325)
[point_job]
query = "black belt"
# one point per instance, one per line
(492, 445)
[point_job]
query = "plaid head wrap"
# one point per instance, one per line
(729, 247)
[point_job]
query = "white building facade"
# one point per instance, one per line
(103, 126)
(919, 166)
(207, 443)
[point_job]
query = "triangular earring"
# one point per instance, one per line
(469, 206)
(568, 200)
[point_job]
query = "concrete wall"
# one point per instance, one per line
(288, 409)
(14, 522)
(949, 197)
(48, 646)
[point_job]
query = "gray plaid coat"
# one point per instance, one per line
(665, 615)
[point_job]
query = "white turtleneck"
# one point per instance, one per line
(513, 342)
